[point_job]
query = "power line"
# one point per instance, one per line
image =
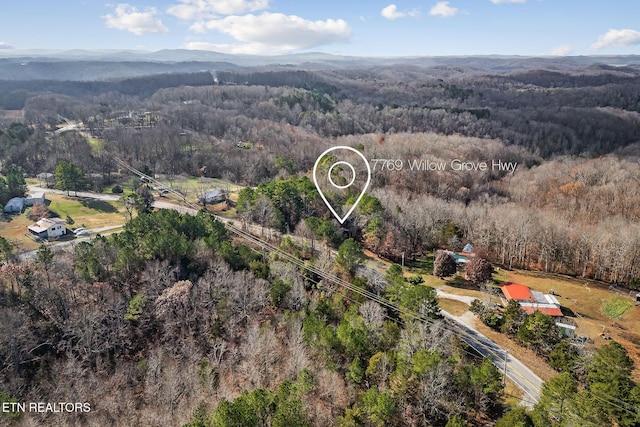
(470, 339)
(455, 329)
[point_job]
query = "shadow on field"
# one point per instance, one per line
(99, 205)
(462, 283)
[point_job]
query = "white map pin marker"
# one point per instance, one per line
(341, 187)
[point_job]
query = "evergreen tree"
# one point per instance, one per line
(16, 185)
(349, 256)
(517, 417)
(69, 177)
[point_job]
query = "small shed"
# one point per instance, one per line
(15, 205)
(35, 198)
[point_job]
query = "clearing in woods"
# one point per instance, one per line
(86, 213)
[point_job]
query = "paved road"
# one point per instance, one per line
(98, 196)
(462, 298)
(522, 376)
(517, 372)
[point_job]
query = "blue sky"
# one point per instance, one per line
(346, 27)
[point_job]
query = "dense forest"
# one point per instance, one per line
(162, 325)
(173, 321)
(574, 136)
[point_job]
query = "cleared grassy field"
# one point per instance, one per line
(195, 185)
(87, 213)
(475, 293)
(454, 307)
(13, 228)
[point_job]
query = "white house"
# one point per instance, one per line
(48, 228)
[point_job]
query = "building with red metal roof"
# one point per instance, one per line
(531, 301)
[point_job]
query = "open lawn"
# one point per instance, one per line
(195, 185)
(422, 266)
(454, 307)
(13, 228)
(87, 213)
(475, 293)
(90, 212)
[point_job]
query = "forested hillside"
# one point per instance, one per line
(171, 320)
(159, 327)
(590, 110)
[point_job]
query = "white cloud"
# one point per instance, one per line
(613, 37)
(5, 45)
(208, 9)
(562, 50)
(272, 33)
(391, 12)
(507, 1)
(129, 18)
(442, 8)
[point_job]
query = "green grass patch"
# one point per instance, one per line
(615, 307)
(433, 281)
(423, 265)
(80, 207)
(99, 205)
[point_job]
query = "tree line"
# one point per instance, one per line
(193, 328)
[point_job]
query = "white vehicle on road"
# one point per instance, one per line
(80, 232)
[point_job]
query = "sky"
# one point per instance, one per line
(341, 27)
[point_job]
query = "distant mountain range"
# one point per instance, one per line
(90, 65)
